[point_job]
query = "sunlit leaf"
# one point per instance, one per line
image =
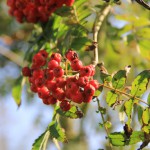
(73, 113)
(146, 116)
(136, 137)
(111, 98)
(140, 83)
(140, 112)
(119, 79)
(117, 139)
(128, 109)
(148, 99)
(16, 91)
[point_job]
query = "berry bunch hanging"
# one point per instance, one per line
(53, 84)
(33, 11)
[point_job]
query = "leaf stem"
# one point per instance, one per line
(124, 93)
(102, 116)
(96, 28)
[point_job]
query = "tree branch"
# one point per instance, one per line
(144, 4)
(96, 28)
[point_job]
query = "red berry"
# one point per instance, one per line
(58, 72)
(56, 56)
(49, 74)
(52, 100)
(89, 90)
(52, 64)
(61, 82)
(26, 71)
(85, 71)
(77, 97)
(43, 92)
(65, 105)
(82, 81)
(38, 60)
(59, 94)
(94, 83)
(76, 64)
(51, 85)
(39, 82)
(43, 53)
(34, 88)
(71, 55)
(87, 98)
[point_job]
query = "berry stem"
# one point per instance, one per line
(96, 28)
(124, 93)
(102, 116)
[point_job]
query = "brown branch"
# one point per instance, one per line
(96, 28)
(144, 4)
(12, 56)
(122, 92)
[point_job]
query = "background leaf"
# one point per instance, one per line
(111, 98)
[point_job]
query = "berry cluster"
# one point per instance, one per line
(52, 82)
(35, 10)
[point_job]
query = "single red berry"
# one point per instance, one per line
(94, 83)
(38, 73)
(72, 87)
(61, 82)
(59, 94)
(82, 81)
(52, 64)
(58, 72)
(71, 55)
(49, 74)
(52, 100)
(43, 92)
(39, 82)
(77, 97)
(65, 105)
(38, 60)
(76, 64)
(26, 71)
(56, 56)
(43, 53)
(87, 98)
(45, 101)
(34, 88)
(89, 90)
(51, 85)
(85, 71)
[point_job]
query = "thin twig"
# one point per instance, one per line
(96, 28)
(124, 93)
(46, 140)
(106, 129)
(56, 143)
(12, 56)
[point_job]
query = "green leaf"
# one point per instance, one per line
(140, 83)
(146, 129)
(136, 137)
(119, 79)
(117, 139)
(16, 91)
(128, 110)
(80, 42)
(140, 112)
(111, 98)
(38, 142)
(97, 93)
(146, 116)
(57, 132)
(64, 11)
(73, 113)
